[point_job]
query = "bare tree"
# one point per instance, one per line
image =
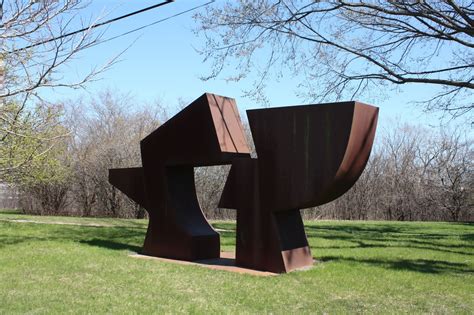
(35, 46)
(209, 186)
(105, 132)
(107, 136)
(448, 179)
(345, 48)
(414, 173)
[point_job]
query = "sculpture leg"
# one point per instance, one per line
(272, 242)
(294, 247)
(180, 230)
(266, 240)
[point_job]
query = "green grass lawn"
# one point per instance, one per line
(363, 267)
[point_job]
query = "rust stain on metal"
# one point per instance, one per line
(307, 155)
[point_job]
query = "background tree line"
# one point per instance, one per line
(414, 173)
(103, 133)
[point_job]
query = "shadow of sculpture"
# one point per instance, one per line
(112, 237)
(380, 236)
(416, 265)
(104, 243)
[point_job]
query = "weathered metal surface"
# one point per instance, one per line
(307, 156)
(207, 132)
(130, 181)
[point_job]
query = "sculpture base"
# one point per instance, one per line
(226, 262)
(183, 248)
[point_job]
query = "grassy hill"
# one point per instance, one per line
(51, 265)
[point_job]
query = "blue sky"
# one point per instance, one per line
(161, 64)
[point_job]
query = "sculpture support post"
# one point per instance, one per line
(265, 240)
(178, 229)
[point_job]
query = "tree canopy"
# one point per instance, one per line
(345, 48)
(35, 46)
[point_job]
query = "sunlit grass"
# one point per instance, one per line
(375, 267)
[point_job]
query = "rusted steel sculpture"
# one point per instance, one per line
(207, 132)
(307, 156)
